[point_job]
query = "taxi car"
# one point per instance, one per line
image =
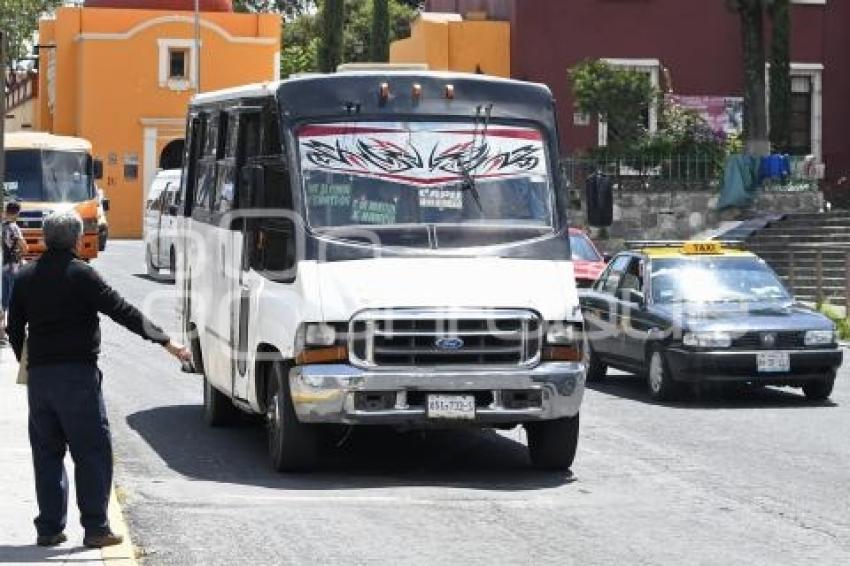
(679, 312)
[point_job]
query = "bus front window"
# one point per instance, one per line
(476, 187)
(48, 176)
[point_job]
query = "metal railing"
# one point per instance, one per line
(820, 273)
(678, 172)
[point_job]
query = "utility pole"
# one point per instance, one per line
(197, 61)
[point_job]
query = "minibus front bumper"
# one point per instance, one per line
(346, 394)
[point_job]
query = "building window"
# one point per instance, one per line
(801, 115)
(178, 64)
(652, 67)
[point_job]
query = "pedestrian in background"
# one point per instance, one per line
(55, 306)
(14, 248)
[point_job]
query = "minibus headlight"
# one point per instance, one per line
(319, 334)
(563, 342)
(89, 225)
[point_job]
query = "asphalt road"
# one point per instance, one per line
(760, 479)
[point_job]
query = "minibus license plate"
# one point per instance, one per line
(774, 362)
(451, 407)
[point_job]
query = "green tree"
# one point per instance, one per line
(780, 76)
(619, 97)
(19, 19)
(331, 45)
(379, 42)
(290, 8)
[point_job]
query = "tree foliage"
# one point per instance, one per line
(301, 34)
(289, 8)
(333, 25)
(19, 21)
(379, 40)
(619, 97)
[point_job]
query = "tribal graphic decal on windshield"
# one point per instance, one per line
(424, 153)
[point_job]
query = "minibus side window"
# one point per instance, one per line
(192, 151)
(206, 166)
(226, 164)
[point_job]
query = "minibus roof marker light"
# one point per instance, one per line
(417, 92)
(384, 93)
(450, 92)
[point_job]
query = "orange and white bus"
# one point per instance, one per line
(47, 174)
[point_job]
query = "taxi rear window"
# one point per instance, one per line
(715, 279)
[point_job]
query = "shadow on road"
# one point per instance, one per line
(369, 457)
(631, 387)
(32, 554)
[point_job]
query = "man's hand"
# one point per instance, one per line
(179, 351)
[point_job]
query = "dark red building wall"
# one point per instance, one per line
(697, 40)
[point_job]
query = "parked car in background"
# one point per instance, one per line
(588, 263)
(102, 222)
(160, 223)
(703, 312)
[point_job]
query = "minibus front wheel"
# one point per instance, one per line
(293, 445)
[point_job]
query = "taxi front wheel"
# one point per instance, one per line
(819, 390)
(660, 382)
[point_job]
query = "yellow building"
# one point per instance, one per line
(449, 42)
(122, 78)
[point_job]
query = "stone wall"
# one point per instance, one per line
(677, 215)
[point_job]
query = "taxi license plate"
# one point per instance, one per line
(451, 407)
(774, 362)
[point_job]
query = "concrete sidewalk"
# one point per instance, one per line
(17, 496)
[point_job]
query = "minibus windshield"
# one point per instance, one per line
(460, 175)
(37, 175)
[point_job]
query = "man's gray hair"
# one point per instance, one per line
(62, 230)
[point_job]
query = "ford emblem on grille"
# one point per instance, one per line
(449, 343)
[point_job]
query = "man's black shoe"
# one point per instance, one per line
(51, 540)
(99, 541)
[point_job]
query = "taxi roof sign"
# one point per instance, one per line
(709, 247)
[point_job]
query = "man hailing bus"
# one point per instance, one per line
(55, 305)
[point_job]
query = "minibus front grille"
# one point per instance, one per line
(417, 338)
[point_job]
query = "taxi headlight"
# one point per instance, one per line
(820, 337)
(707, 339)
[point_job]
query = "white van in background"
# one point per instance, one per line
(160, 222)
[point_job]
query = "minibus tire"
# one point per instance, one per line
(152, 271)
(293, 445)
(552, 444)
(219, 410)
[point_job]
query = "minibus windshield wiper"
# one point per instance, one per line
(482, 114)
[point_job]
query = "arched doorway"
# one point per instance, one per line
(171, 156)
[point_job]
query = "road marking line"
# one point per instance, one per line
(125, 552)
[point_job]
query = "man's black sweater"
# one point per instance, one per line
(54, 305)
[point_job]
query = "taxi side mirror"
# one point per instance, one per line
(97, 169)
(105, 204)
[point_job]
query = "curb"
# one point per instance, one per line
(124, 552)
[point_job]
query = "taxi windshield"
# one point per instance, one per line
(417, 174)
(714, 279)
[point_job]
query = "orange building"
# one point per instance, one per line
(449, 42)
(120, 73)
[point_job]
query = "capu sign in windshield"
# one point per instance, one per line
(393, 173)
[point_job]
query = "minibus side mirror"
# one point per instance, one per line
(97, 169)
(599, 192)
(105, 204)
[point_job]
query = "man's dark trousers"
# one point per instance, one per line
(67, 410)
